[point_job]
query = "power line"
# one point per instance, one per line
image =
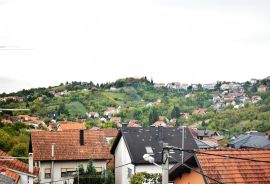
(232, 157)
(219, 155)
(202, 174)
(122, 165)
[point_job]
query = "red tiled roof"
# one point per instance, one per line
(133, 123)
(159, 123)
(71, 126)
(10, 174)
(200, 111)
(15, 164)
(95, 128)
(67, 145)
(110, 132)
(228, 170)
(116, 119)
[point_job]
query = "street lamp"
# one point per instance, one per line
(150, 159)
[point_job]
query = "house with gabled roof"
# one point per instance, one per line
(133, 123)
(8, 177)
(110, 133)
(63, 126)
(215, 166)
(58, 154)
(15, 171)
(251, 141)
(132, 143)
(92, 115)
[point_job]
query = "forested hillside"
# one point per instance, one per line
(228, 106)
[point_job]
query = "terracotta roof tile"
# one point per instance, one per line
(71, 126)
(67, 145)
(228, 170)
(15, 164)
(110, 132)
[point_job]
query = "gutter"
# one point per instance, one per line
(22, 173)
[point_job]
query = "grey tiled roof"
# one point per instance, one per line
(6, 180)
(251, 141)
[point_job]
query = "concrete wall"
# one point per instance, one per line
(123, 163)
(64, 164)
(190, 178)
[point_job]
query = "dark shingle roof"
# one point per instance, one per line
(202, 144)
(137, 139)
(206, 133)
(251, 141)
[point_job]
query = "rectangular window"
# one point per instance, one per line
(98, 170)
(129, 172)
(65, 172)
(47, 172)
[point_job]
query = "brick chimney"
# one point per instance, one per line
(82, 137)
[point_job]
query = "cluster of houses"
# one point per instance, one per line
(55, 155)
(27, 120)
(12, 98)
(231, 86)
(236, 98)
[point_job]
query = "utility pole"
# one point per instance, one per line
(78, 175)
(52, 166)
(165, 168)
(183, 144)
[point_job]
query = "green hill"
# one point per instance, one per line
(72, 100)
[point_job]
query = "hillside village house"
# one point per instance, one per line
(92, 115)
(110, 133)
(14, 171)
(58, 154)
(217, 166)
(132, 143)
(111, 111)
(63, 126)
(159, 85)
(262, 88)
(209, 86)
(251, 140)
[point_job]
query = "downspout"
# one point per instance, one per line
(52, 167)
(31, 168)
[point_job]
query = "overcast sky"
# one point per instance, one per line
(45, 43)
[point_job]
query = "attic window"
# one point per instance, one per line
(149, 150)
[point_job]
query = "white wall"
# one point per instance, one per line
(64, 164)
(121, 158)
(150, 168)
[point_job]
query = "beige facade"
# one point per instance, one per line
(190, 178)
